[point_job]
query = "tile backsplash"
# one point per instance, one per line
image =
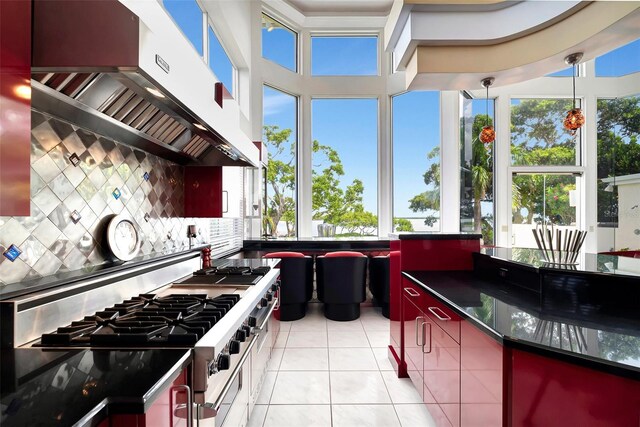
(77, 173)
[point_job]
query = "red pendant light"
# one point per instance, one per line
(488, 134)
(574, 119)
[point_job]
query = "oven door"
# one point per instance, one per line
(234, 410)
(229, 405)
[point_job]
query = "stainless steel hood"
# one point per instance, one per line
(86, 69)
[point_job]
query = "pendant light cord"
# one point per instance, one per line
(574, 85)
(487, 107)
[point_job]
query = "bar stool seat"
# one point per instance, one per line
(341, 284)
(296, 283)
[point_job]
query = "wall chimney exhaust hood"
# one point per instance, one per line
(98, 65)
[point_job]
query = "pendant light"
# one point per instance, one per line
(488, 134)
(575, 118)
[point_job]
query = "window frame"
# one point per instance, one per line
(234, 69)
(205, 17)
(342, 35)
(377, 148)
(296, 158)
(580, 140)
(296, 42)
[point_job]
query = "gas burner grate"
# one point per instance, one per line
(146, 321)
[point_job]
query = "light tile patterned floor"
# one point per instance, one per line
(336, 374)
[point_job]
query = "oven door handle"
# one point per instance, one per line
(215, 406)
(267, 316)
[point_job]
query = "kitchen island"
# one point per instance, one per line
(505, 343)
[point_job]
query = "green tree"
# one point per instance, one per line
(429, 200)
(402, 224)
(618, 148)
(281, 179)
(330, 203)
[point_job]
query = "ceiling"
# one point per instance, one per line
(342, 7)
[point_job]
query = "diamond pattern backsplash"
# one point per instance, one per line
(75, 178)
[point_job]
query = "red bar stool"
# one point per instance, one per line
(341, 284)
(296, 283)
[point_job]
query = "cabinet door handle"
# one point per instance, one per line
(419, 319)
(423, 336)
(442, 317)
(411, 292)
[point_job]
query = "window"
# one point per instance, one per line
(416, 161)
(188, 16)
(537, 134)
(279, 43)
(344, 56)
(542, 198)
(618, 173)
(280, 118)
(219, 61)
(476, 169)
(345, 165)
(567, 72)
(619, 62)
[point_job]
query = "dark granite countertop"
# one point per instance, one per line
(434, 236)
(517, 317)
(69, 277)
(586, 263)
(61, 388)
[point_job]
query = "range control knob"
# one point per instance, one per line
(234, 346)
(241, 335)
(264, 302)
(253, 322)
(274, 288)
(246, 329)
(269, 296)
(224, 362)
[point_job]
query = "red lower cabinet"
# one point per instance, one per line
(548, 392)
(413, 334)
(481, 378)
(467, 378)
(162, 412)
(442, 371)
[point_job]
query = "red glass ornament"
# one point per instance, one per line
(487, 135)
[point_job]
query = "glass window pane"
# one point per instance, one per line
(279, 43)
(416, 161)
(219, 62)
(567, 72)
(344, 56)
(188, 16)
(542, 198)
(280, 137)
(618, 174)
(345, 166)
(537, 134)
(476, 180)
(619, 62)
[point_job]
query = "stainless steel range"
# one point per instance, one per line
(224, 314)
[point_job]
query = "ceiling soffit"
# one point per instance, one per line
(594, 29)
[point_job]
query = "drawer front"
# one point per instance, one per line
(442, 316)
(414, 293)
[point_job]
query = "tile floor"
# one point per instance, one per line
(336, 374)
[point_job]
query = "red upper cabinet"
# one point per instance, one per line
(15, 107)
(203, 191)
